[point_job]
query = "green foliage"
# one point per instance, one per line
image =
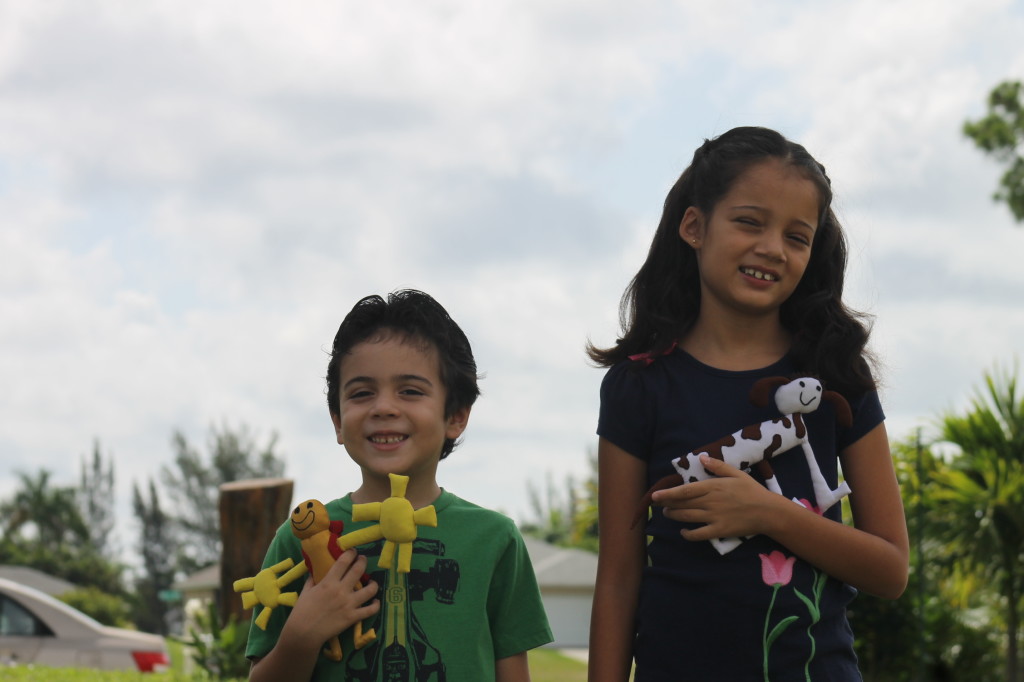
(95, 497)
(569, 518)
(43, 513)
(975, 502)
(218, 649)
(1000, 134)
(43, 529)
(193, 485)
(105, 608)
(156, 549)
(896, 641)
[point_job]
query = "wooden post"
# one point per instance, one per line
(251, 511)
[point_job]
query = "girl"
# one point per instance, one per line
(743, 280)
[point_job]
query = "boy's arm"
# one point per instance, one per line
(513, 668)
(322, 611)
(288, 660)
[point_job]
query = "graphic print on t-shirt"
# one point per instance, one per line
(402, 651)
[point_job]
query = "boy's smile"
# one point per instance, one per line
(390, 415)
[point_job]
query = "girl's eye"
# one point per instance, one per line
(361, 393)
(800, 239)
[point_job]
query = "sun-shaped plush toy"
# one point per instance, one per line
(397, 527)
(264, 589)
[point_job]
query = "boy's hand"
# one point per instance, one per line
(332, 605)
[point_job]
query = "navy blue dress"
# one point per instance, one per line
(705, 616)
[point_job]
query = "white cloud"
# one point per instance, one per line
(193, 199)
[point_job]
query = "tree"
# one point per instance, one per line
(96, 500)
(1000, 134)
(978, 502)
(157, 546)
(553, 513)
(193, 485)
(43, 529)
(44, 513)
(568, 519)
(924, 635)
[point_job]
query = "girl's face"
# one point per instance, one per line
(753, 248)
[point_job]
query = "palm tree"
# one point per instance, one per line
(979, 499)
(51, 513)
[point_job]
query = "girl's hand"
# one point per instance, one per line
(732, 504)
(334, 604)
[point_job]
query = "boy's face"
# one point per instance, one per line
(390, 415)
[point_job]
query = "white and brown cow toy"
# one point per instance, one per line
(754, 446)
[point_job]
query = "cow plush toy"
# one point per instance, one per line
(754, 446)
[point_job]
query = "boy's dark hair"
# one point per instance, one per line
(417, 317)
(662, 301)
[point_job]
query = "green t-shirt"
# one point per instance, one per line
(471, 598)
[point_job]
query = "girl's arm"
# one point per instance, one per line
(872, 555)
(513, 668)
(622, 482)
(322, 611)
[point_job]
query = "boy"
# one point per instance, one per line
(401, 382)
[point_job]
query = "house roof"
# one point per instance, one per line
(36, 579)
(204, 579)
(561, 567)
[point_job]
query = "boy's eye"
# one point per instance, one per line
(360, 393)
(412, 391)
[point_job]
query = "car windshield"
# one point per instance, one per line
(54, 603)
(17, 621)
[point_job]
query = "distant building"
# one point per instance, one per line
(566, 577)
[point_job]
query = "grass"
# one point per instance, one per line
(31, 674)
(546, 665)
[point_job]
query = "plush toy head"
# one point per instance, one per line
(799, 396)
(309, 518)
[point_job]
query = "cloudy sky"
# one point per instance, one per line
(192, 196)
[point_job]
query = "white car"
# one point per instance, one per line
(37, 629)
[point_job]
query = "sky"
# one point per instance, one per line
(192, 195)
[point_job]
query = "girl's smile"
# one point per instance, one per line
(759, 274)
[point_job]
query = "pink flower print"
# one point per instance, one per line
(776, 568)
(810, 505)
(776, 571)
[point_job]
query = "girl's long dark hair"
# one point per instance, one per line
(662, 301)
